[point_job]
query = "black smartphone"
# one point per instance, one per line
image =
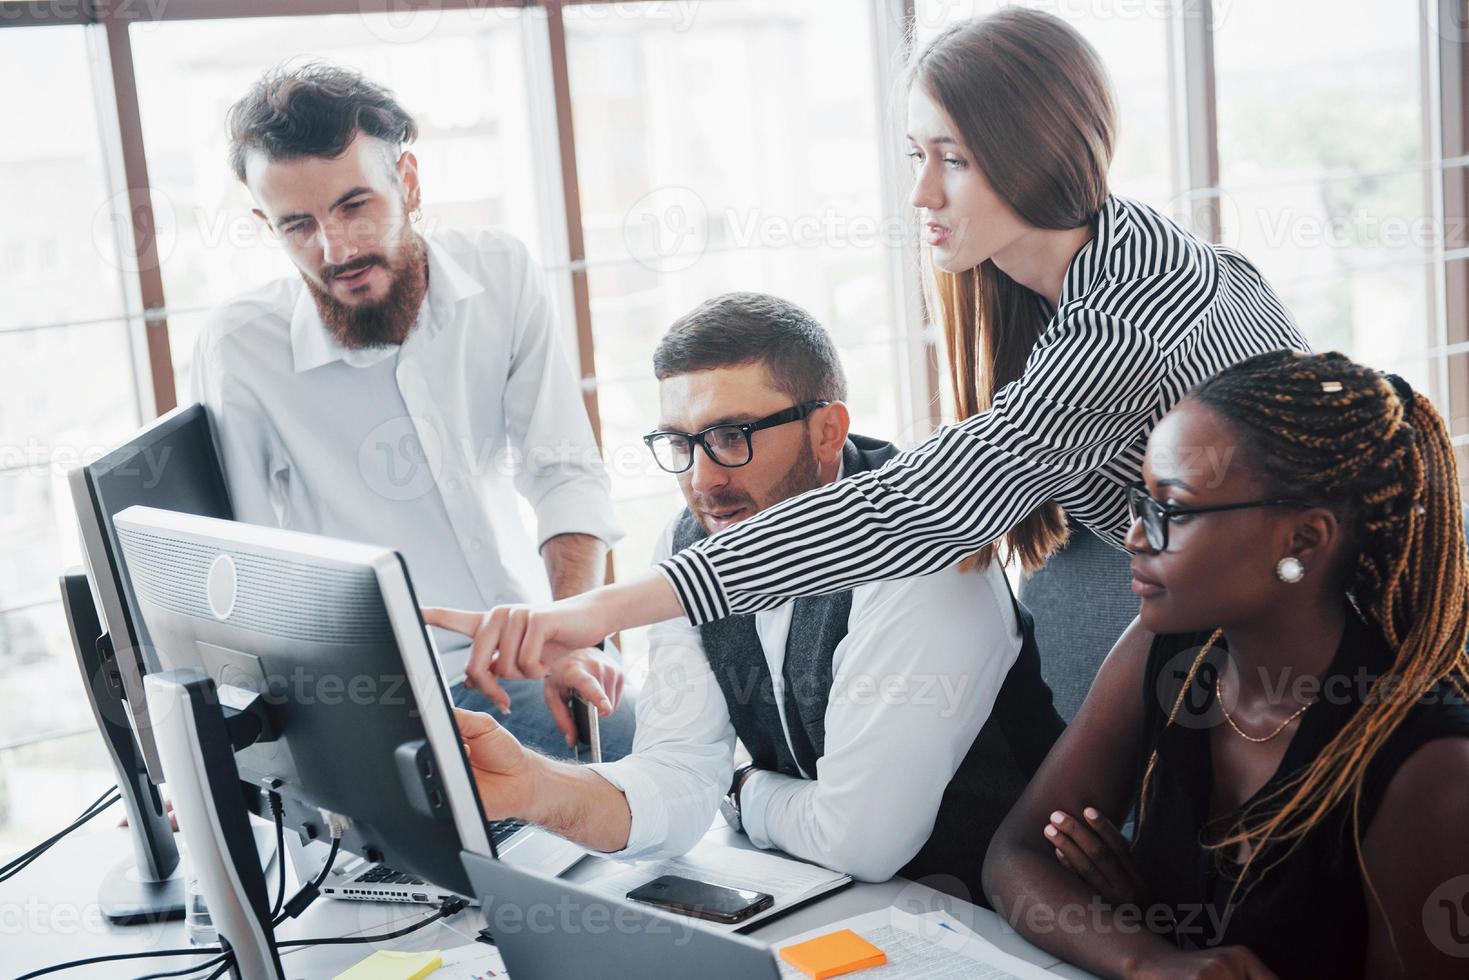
(702, 899)
(588, 733)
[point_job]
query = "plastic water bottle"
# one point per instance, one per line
(198, 923)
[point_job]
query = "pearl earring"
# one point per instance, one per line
(1290, 570)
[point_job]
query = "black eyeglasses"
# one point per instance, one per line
(727, 444)
(1157, 517)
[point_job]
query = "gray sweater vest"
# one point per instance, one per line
(1006, 753)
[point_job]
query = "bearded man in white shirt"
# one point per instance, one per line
(890, 728)
(402, 388)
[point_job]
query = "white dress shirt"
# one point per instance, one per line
(913, 682)
(418, 447)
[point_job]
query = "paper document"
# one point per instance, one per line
(919, 947)
(946, 920)
(475, 961)
(789, 880)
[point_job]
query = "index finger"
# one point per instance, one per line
(458, 620)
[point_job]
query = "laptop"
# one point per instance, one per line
(550, 929)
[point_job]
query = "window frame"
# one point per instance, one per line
(1445, 62)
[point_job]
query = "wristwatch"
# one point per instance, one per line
(729, 807)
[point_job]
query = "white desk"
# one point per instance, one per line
(49, 913)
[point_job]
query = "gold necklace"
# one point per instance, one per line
(1219, 699)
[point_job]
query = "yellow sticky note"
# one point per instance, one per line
(387, 964)
(833, 954)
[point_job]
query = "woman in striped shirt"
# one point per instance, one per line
(1074, 320)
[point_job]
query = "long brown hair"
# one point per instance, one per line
(1034, 107)
(1322, 428)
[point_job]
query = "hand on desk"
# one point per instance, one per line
(1095, 851)
(1221, 963)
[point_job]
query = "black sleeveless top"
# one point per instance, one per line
(1306, 917)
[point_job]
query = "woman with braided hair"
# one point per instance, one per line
(1287, 716)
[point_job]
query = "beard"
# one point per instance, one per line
(804, 474)
(387, 321)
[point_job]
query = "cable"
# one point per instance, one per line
(20, 863)
(222, 962)
(450, 906)
(307, 893)
(277, 810)
(194, 951)
(277, 813)
(93, 808)
(331, 859)
(182, 971)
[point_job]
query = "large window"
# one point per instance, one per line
(738, 153)
(1324, 172)
(724, 145)
(67, 388)
(462, 73)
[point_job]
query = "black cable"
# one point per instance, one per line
(91, 810)
(206, 965)
(277, 810)
(224, 960)
(331, 859)
(451, 906)
(307, 893)
(21, 862)
(194, 951)
(33, 855)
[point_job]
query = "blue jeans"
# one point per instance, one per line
(530, 720)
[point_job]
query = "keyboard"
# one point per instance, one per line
(500, 830)
(381, 874)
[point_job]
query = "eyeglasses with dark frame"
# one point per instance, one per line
(1157, 517)
(727, 444)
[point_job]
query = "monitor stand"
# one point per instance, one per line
(150, 887)
(197, 744)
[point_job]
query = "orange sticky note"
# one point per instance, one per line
(833, 955)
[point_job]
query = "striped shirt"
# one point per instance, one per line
(1146, 311)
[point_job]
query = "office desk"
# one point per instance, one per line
(49, 913)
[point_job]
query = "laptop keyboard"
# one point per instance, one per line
(381, 874)
(500, 830)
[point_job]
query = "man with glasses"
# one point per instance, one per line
(889, 728)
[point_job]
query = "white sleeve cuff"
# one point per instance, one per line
(649, 827)
(755, 803)
(573, 509)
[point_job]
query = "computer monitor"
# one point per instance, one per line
(329, 633)
(171, 464)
